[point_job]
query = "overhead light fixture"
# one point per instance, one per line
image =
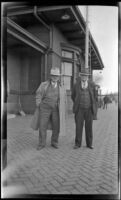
(65, 16)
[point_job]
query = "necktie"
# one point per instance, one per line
(84, 84)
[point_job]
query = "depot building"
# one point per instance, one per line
(41, 37)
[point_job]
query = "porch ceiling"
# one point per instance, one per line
(72, 28)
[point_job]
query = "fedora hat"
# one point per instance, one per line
(55, 72)
(85, 72)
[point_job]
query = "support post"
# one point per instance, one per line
(86, 40)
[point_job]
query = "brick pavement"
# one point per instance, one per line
(64, 170)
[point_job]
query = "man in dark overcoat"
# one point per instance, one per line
(84, 108)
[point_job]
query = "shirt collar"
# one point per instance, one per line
(54, 84)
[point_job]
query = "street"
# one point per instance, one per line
(64, 170)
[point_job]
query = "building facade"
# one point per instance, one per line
(41, 37)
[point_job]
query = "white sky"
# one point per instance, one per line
(103, 25)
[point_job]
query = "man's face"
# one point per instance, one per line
(54, 78)
(84, 78)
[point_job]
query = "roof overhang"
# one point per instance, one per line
(74, 28)
(24, 36)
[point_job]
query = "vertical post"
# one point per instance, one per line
(86, 40)
(75, 69)
(45, 74)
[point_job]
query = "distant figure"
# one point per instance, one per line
(116, 101)
(101, 103)
(105, 101)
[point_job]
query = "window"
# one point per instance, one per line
(66, 70)
(71, 64)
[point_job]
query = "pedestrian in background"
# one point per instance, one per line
(116, 101)
(47, 114)
(105, 102)
(84, 108)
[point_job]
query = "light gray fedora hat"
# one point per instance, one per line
(55, 72)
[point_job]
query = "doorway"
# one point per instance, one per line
(24, 72)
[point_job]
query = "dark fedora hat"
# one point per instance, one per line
(85, 72)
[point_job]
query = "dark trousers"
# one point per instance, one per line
(47, 112)
(81, 116)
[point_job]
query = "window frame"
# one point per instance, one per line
(75, 62)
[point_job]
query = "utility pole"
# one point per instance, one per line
(87, 40)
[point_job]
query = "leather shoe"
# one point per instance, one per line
(76, 147)
(90, 147)
(55, 146)
(39, 147)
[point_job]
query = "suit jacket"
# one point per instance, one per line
(76, 97)
(62, 104)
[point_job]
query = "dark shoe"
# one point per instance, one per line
(90, 147)
(39, 147)
(55, 146)
(76, 147)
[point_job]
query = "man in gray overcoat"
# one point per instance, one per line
(48, 101)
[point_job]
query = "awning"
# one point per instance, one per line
(73, 28)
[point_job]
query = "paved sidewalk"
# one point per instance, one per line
(64, 170)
